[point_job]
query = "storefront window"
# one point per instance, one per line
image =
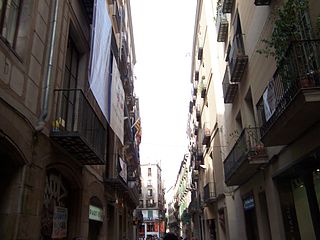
(250, 217)
(316, 180)
(302, 209)
(295, 204)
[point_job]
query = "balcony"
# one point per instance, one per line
(222, 25)
(124, 53)
(262, 2)
(245, 158)
(291, 101)
(209, 192)
(133, 192)
(130, 190)
(198, 113)
(77, 128)
(229, 89)
(200, 156)
(206, 134)
(195, 175)
(203, 86)
(196, 130)
(227, 6)
(237, 59)
(196, 76)
(200, 53)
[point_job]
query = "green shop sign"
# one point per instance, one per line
(95, 213)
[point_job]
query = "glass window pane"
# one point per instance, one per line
(10, 20)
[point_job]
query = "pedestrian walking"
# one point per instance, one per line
(170, 236)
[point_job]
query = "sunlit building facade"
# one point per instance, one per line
(152, 202)
(255, 78)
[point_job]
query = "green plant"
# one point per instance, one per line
(286, 29)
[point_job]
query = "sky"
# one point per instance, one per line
(163, 35)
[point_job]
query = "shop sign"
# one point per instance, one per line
(248, 203)
(60, 220)
(95, 213)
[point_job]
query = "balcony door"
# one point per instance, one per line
(69, 97)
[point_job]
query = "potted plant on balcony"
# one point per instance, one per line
(287, 29)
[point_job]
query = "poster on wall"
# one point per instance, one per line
(100, 55)
(123, 169)
(60, 221)
(117, 103)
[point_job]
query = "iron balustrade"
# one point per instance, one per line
(262, 2)
(209, 192)
(247, 146)
(222, 25)
(237, 58)
(227, 6)
(206, 134)
(299, 69)
(75, 118)
(229, 89)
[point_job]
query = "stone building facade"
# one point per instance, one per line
(57, 146)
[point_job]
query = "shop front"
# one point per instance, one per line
(299, 191)
(95, 221)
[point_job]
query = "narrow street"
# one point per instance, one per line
(159, 120)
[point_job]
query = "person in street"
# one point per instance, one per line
(170, 236)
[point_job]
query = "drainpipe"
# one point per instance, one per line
(48, 77)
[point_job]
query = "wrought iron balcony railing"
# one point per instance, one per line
(298, 73)
(88, 6)
(198, 113)
(196, 76)
(222, 25)
(200, 155)
(77, 128)
(247, 150)
(229, 89)
(237, 59)
(209, 192)
(227, 6)
(200, 53)
(206, 134)
(262, 2)
(196, 130)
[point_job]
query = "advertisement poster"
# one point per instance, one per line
(117, 103)
(100, 55)
(123, 169)
(60, 220)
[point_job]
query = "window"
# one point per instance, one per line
(150, 215)
(149, 192)
(10, 11)
(150, 203)
(149, 182)
(71, 67)
(140, 203)
(149, 172)
(15, 20)
(150, 227)
(70, 82)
